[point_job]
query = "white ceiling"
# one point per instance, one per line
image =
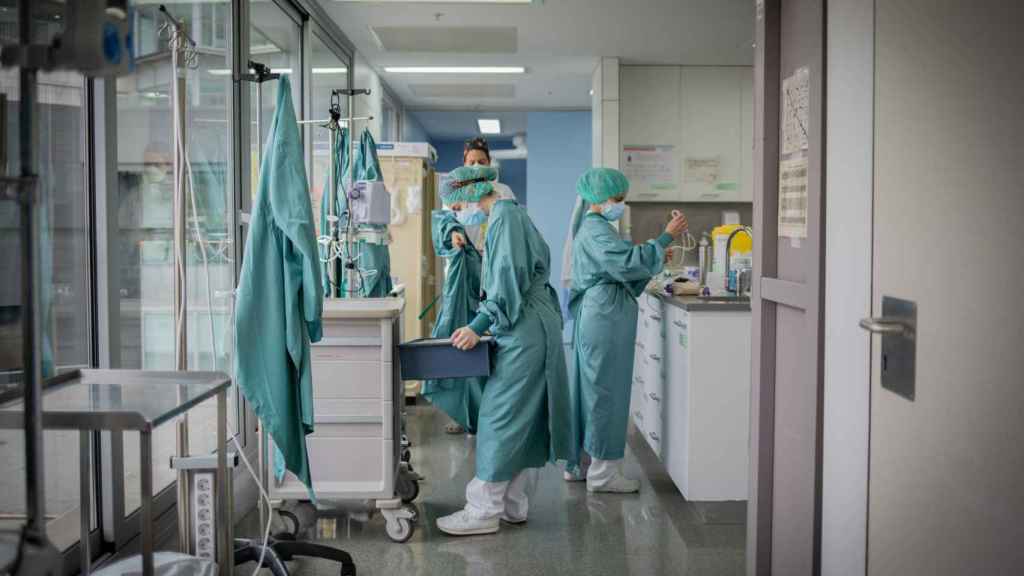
(451, 125)
(558, 41)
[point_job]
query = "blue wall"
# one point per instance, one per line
(513, 172)
(559, 152)
(412, 130)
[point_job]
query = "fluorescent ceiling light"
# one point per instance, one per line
(489, 125)
(455, 69)
(227, 72)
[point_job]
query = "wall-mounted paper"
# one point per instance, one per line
(702, 170)
(652, 166)
(793, 198)
(795, 111)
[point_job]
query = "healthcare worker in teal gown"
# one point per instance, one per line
(459, 398)
(524, 410)
(608, 274)
(280, 297)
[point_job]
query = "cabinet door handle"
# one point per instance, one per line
(656, 318)
(679, 324)
(639, 380)
(654, 397)
(654, 436)
(656, 358)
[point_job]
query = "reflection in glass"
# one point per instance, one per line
(146, 217)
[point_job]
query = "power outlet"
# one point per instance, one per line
(204, 515)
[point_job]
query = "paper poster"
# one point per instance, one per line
(795, 111)
(703, 170)
(793, 198)
(653, 167)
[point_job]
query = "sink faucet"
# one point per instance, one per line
(728, 252)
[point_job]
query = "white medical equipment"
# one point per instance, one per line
(370, 203)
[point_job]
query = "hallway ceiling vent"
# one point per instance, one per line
(467, 91)
(442, 39)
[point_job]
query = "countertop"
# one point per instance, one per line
(695, 304)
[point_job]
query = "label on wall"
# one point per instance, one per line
(653, 167)
(704, 170)
(795, 111)
(793, 197)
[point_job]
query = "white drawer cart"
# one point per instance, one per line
(355, 449)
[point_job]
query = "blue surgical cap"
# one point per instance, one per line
(598, 185)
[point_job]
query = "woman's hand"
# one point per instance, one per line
(458, 240)
(677, 225)
(465, 338)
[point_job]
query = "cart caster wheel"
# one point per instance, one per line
(293, 520)
(406, 455)
(408, 489)
(400, 529)
(348, 570)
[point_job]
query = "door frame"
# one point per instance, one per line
(849, 204)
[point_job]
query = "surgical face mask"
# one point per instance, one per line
(471, 215)
(613, 211)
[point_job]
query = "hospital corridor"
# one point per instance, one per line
(511, 287)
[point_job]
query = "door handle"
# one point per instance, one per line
(679, 324)
(654, 436)
(658, 318)
(655, 357)
(654, 397)
(884, 325)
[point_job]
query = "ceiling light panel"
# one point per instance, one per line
(455, 69)
(489, 125)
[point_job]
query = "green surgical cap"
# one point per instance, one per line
(598, 185)
(468, 184)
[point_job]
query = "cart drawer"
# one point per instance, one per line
(352, 379)
(344, 350)
(347, 459)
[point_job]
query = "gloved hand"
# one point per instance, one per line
(458, 240)
(677, 225)
(465, 338)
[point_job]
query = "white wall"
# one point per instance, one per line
(848, 239)
(372, 105)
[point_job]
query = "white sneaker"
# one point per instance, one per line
(463, 523)
(617, 484)
(505, 517)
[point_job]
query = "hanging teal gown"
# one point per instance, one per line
(608, 275)
(279, 298)
(459, 398)
(332, 271)
(524, 412)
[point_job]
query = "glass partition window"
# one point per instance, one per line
(275, 40)
(329, 72)
(66, 286)
(146, 183)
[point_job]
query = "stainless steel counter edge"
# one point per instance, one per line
(694, 304)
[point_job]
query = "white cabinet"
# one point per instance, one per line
(649, 116)
(712, 103)
(691, 396)
(704, 114)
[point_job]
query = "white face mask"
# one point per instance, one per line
(471, 215)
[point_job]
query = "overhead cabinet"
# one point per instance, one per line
(686, 133)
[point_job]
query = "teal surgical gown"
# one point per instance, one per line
(523, 421)
(280, 298)
(608, 274)
(459, 398)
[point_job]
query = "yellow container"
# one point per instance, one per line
(741, 244)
